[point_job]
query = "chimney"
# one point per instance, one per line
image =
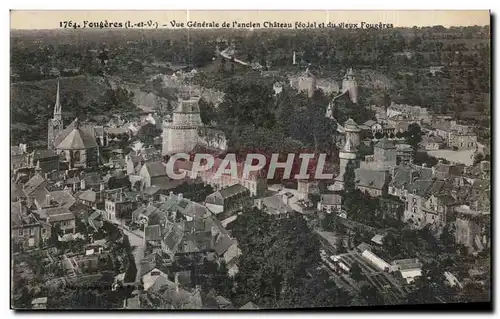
(176, 281)
(171, 194)
(82, 184)
(47, 199)
(433, 170)
(259, 203)
(101, 187)
(284, 198)
(179, 196)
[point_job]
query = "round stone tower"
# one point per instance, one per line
(352, 132)
(350, 85)
(181, 134)
(346, 155)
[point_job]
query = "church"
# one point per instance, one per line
(76, 144)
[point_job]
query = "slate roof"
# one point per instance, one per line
(172, 238)
(56, 214)
(152, 232)
(369, 123)
(43, 154)
(63, 198)
(371, 179)
(404, 175)
(426, 188)
(249, 306)
(232, 190)
(331, 199)
(88, 195)
(75, 138)
(223, 243)
(385, 144)
(33, 183)
(41, 197)
(156, 169)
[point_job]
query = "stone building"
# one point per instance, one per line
(78, 145)
(186, 131)
(350, 85)
(471, 228)
(383, 158)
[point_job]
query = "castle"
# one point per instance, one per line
(186, 131)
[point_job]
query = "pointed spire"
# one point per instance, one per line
(57, 106)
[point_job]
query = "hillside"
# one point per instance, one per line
(32, 103)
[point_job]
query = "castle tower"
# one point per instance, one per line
(55, 123)
(384, 154)
(181, 134)
(346, 155)
(307, 82)
(350, 85)
(352, 132)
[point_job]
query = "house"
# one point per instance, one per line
(25, 228)
(255, 181)
(378, 239)
(152, 268)
(404, 175)
(39, 303)
(153, 173)
(152, 238)
(92, 198)
(404, 153)
(330, 203)
(120, 205)
(18, 157)
(472, 228)
(275, 205)
(408, 268)
(373, 127)
(373, 182)
(432, 142)
(428, 202)
(226, 201)
(32, 185)
(46, 160)
(60, 216)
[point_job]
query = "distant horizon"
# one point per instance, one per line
(50, 19)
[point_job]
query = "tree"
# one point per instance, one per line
(414, 136)
(356, 273)
(371, 295)
(349, 178)
(478, 158)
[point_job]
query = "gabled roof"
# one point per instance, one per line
(89, 196)
(232, 190)
(331, 199)
(57, 214)
(75, 138)
(63, 198)
(223, 243)
(152, 232)
(371, 179)
(43, 154)
(33, 183)
(156, 169)
(249, 306)
(385, 144)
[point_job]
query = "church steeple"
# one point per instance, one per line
(57, 106)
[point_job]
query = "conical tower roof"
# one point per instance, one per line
(75, 138)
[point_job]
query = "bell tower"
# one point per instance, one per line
(55, 123)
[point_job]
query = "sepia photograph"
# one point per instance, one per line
(238, 160)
